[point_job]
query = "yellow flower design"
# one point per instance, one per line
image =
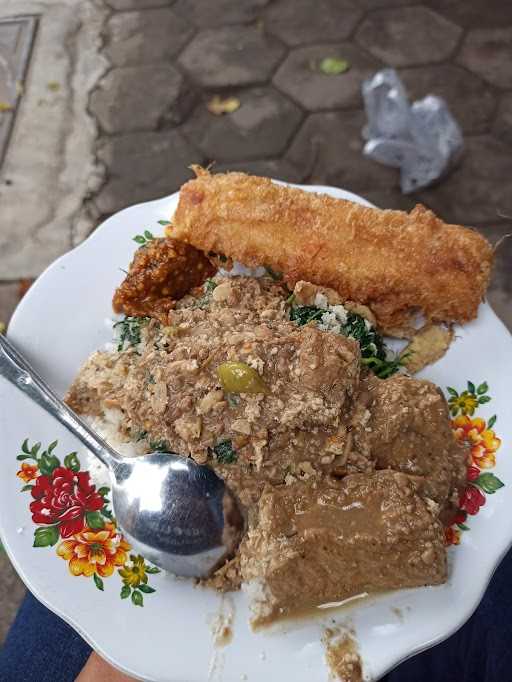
(465, 403)
(134, 573)
(483, 441)
(28, 472)
(95, 551)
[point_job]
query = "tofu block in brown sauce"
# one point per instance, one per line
(315, 545)
(409, 430)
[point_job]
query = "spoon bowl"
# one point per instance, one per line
(178, 514)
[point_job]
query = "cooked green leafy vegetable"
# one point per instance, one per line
(304, 314)
(203, 301)
(159, 446)
(224, 452)
(130, 331)
(372, 344)
(373, 349)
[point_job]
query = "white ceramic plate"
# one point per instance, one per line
(63, 318)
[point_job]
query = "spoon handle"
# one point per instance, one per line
(21, 374)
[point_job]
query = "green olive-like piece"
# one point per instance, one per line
(238, 377)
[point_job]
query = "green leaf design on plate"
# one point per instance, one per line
(25, 447)
(26, 487)
(137, 598)
(489, 483)
(471, 387)
(126, 590)
(105, 511)
(452, 391)
(71, 461)
(491, 422)
(48, 463)
(483, 388)
(463, 526)
(46, 536)
(484, 399)
(146, 588)
(20, 458)
(152, 569)
(104, 490)
(164, 222)
(98, 582)
(94, 520)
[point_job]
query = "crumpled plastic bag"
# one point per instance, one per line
(422, 139)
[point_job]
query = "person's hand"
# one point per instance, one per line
(98, 670)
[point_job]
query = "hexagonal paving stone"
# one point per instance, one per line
(405, 36)
(482, 13)
(135, 98)
(260, 128)
(207, 14)
(9, 299)
(470, 100)
(143, 166)
(299, 23)
(122, 5)
(280, 169)
(502, 127)
(328, 147)
(12, 591)
(143, 37)
(477, 191)
(488, 52)
(231, 56)
(300, 77)
(377, 4)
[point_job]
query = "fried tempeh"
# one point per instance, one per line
(396, 263)
(161, 273)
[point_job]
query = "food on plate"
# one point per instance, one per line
(347, 468)
(318, 545)
(162, 272)
(398, 264)
(428, 344)
(345, 465)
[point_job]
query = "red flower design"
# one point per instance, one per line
(64, 498)
(471, 500)
(460, 517)
(473, 473)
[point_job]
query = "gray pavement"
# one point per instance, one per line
(118, 113)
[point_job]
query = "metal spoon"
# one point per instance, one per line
(179, 515)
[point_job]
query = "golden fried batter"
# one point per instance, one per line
(160, 273)
(396, 263)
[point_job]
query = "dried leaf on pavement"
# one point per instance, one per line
(223, 105)
(332, 66)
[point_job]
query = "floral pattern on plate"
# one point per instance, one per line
(68, 509)
(483, 442)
